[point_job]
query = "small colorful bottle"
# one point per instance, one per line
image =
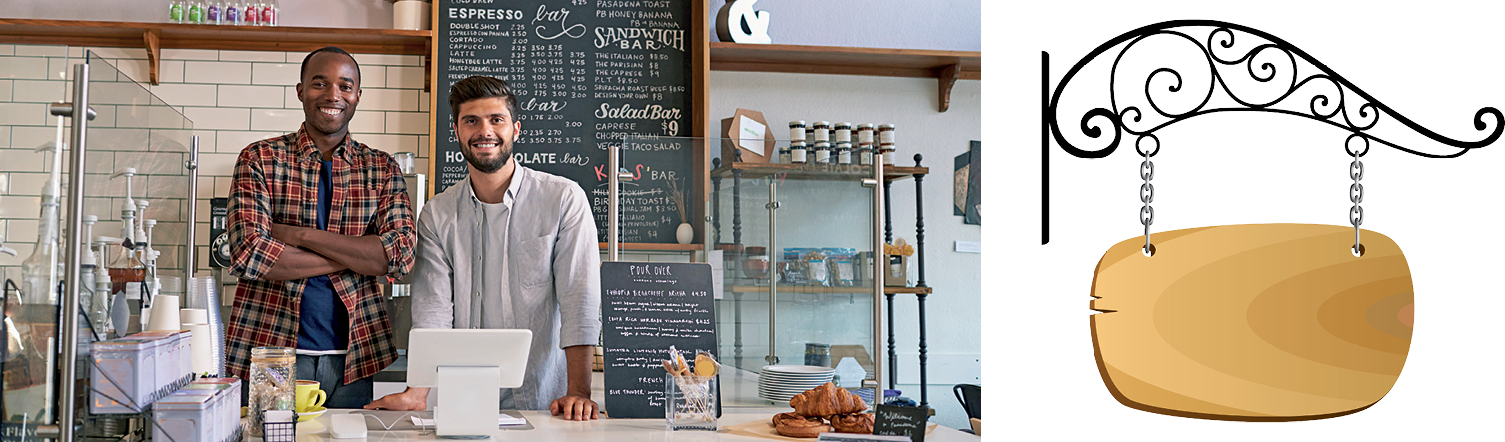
(232, 12)
(175, 11)
(269, 13)
(195, 12)
(213, 13)
(250, 14)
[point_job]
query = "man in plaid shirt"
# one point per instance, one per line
(317, 221)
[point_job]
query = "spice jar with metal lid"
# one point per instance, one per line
(797, 152)
(887, 149)
(864, 154)
(885, 134)
(843, 132)
(864, 134)
(843, 153)
(822, 152)
(797, 130)
(784, 155)
(822, 131)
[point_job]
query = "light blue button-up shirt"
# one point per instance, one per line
(531, 262)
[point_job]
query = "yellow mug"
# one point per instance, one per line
(308, 396)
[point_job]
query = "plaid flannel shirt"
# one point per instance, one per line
(276, 181)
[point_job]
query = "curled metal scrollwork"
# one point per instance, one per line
(1267, 75)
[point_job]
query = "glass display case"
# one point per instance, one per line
(795, 242)
(130, 128)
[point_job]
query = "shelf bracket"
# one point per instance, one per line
(947, 78)
(153, 38)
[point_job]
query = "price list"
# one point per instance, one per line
(588, 74)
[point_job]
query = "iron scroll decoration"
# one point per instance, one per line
(1269, 76)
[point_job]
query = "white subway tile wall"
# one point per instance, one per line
(234, 98)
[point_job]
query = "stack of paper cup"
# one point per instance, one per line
(164, 315)
(202, 294)
(201, 347)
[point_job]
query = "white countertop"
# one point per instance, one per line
(550, 428)
(740, 406)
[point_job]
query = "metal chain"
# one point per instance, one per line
(1147, 195)
(1356, 195)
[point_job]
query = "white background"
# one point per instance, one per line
(1435, 62)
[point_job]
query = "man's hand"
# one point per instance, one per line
(408, 400)
(290, 235)
(574, 407)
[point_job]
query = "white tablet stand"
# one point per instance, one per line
(469, 367)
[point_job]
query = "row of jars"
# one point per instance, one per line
(814, 144)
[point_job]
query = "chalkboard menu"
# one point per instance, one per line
(587, 75)
(647, 307)
(903, 421)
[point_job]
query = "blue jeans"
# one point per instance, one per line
(329, 370)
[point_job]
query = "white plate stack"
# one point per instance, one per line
(778, 383)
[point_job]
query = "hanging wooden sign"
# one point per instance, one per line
(1261, 322)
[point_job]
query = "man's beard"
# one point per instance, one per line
(490, 165)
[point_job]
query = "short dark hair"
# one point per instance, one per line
(303, 71)
(478, 87)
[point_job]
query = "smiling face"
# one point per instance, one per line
(486, 131)
(330, 90)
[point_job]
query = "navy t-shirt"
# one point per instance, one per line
(323, 322)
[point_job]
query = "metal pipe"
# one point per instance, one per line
(613, 164)
(190, 254)
(879, 272)
(773, 287)
(68, 326)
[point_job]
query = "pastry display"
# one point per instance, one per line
(794, 425)
(827, 400)
(859, 423)
(815, 406)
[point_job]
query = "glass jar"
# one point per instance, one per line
(817, 354)
(273, 382)
(888, 153)
(797, 152)
(822, 152)
(843, 132)
(864, 153)
(864, 133)
(690, 402)
(822, 131)
(784, 155)
(797, 130)
(843, 153)
(885, 134)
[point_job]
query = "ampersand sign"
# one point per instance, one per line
(738, 22)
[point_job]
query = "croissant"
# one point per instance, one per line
(827, 400)
(860, 423)
(794, 425)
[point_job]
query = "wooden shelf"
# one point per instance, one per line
(656, 247)
(816, 171)
(157, 36)
(829, 290)
(945, 66)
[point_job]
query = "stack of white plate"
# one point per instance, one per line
(778, 383)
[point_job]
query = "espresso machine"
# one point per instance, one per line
(398, 293)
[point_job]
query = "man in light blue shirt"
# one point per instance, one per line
(510, 247)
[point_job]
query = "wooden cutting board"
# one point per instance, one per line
(764, 428)
(1264, 322)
